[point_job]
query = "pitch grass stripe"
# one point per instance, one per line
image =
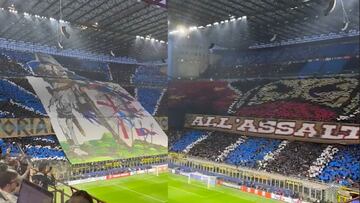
(142, 194)
(169, 189)
(220, 194)
(142, 188)
(177, 188)
(195, 183)
(128, 189)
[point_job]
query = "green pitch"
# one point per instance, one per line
(139, 188)
(165, 188)
(180, 191)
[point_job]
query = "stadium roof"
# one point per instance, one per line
(288, 19)
(98, 26)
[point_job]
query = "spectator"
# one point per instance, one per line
(3, 167)
(80, 196)
(6, 155)
(9, 185)
(42, 178)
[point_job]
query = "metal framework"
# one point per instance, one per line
(118, 22)
(288, 19)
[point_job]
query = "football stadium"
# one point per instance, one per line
(179, 101)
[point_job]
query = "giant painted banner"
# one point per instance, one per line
(24, 127)
(312, 131)
(95, 121)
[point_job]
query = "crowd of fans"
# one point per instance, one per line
(15, 166)
(11, 93)
(311, 68)
(296, 159)
(36, 148)
(162, 109)
(222, 140)
(251, 151)
(22, 83)
(149, 98)
(200, 97)
(9, 109)
(150, 75)
(122, 74)
(18, 56)
(291, 53)
(41, 160)
(15, 170)
(303, 60)
(327, 163)
(318, 165)
(188, 138)
(302, 99)
(344, 167)
(329, 99)
(10, 67)
(18, 99)
(130, 89)
(174, 136)
(252, 71)
(93, 70)
(224, 154)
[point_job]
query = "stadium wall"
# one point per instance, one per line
(161, 168)
(243, 188)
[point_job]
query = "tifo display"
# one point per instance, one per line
(179, 101)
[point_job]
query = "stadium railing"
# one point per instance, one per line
(62, 192)
(309, 189)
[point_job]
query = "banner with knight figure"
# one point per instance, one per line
(95, 121)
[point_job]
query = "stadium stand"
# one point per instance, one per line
(162, 109)
(22, 83)
(344, 168)
(175, 135)
(295, 53)
(252, 71)
(186, 140)
(307, 81)
(352, 66)
(327, 163)
(252, 151)
(238, 181)
(150, 98)
(18, 56)
(13, 95)
(203, 97)
(295, 159)
(10, 67)
(92, 70)
(36, 148)
(150, 75)
(217, 141)
(319, 98)
(122, 73)
(310, 60)
(130, 89)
